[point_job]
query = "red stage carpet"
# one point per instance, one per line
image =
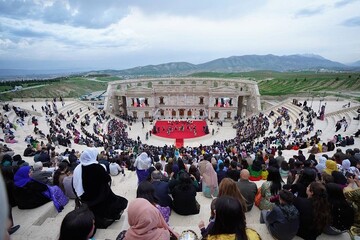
(179, 142)
(180, 129)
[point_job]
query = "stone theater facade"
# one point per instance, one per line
(183, 98)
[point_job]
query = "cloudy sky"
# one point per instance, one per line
(119, 34)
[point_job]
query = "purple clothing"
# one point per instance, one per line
(142, 175)
(22, 177)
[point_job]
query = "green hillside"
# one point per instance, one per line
(270, 84)
(277, 84)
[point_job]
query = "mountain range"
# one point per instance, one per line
(245, 63)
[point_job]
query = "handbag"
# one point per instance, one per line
(258, 197)
(57, 196)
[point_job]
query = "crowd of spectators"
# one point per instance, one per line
(300, 192)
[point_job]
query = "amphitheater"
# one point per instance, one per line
(44, 222)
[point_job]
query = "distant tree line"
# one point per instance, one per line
(31, 81)
(99, 75)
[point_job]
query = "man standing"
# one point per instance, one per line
(248, 189)
(279, 159)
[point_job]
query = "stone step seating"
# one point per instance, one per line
(44, 222)
(33, 221)
(67, 106)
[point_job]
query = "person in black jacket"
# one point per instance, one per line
(92, 185)
(184, 196)
(161, 189)
(341, 211)
(314, 211)
(283, 220)
(28, 193)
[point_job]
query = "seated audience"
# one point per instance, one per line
(228, 187)
(41, 175)
(342, 214)
(283, 220)
(78, 224)
(146, 222)
(184, 196)
(161, 189)
(147, 191)
(201, 225)
(315, 211)
(270, 188)
(27, 192)
(92, 186)
(230, 221)
(247, 189)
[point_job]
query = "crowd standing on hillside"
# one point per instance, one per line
(303, 196)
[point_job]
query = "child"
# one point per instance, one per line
(205, 231)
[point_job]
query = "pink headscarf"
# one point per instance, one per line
(146, 222)
(210, 177)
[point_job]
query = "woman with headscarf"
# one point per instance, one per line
(346, 168)
(28, 193)
(330, 166)
(321, 166)
(210, 186)
(142, 164)
(146, 222)
(92, 186)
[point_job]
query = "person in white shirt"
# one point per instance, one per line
(115, 169)
(142, 164)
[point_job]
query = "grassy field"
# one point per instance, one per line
(73, 87)
(279, 84)
(270, 84)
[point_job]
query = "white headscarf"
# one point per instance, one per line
(321, 166)
(87, 158)
(142, 162)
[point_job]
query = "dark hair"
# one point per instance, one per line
(335, 193)
(77, 224)
(291, 163)
(230, 218)
(308, 175)
(327, 178)
(195, 172)
(158, 166)
(62, 167)
(286, 196)
(147, 191)
(284, 166)
(181, 165)
(276, 180)
(320, 205)
(185, 181)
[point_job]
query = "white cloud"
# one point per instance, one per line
(149, 35)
